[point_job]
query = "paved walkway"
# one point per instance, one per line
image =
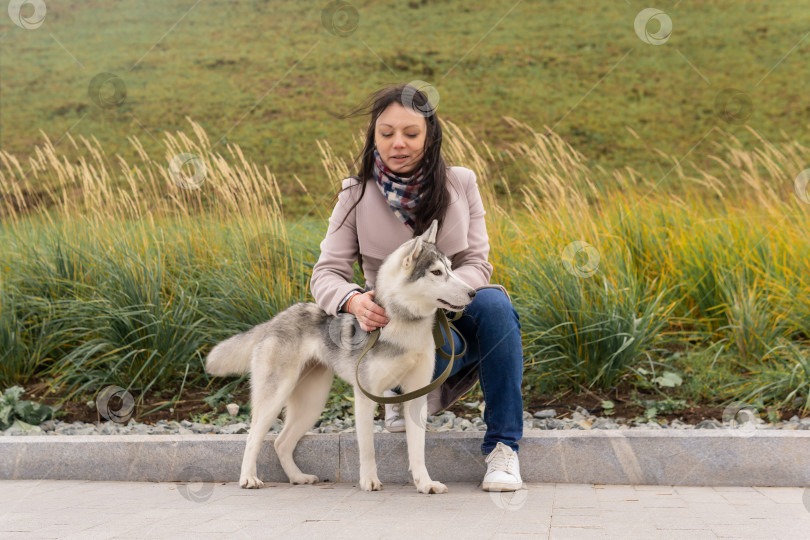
(86, 510)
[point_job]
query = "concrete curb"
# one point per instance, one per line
(723, 457)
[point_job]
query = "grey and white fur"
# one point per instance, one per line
(293, 357)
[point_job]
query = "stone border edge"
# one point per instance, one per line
(652, 457)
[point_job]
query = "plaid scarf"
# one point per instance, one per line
(402, 194)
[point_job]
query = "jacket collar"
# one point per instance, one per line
(380, 232)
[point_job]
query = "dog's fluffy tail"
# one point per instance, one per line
(232, 356)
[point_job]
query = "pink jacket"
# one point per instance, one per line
(373, 232)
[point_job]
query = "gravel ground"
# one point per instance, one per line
(447, 421)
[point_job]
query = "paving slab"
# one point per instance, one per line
(78, 509)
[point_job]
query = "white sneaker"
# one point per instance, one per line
(394, 421)
(503, 470)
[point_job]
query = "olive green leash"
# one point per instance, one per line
(440, 323)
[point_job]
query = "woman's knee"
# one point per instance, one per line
(492, 302)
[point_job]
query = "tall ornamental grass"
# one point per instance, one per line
(127, 274)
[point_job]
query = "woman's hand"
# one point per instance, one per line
(369, 315)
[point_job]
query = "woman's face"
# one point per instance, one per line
(400, 132)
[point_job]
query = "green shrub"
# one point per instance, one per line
(13, 410)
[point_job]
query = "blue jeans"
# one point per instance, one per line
(491, 327)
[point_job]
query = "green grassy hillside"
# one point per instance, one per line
(266, 74)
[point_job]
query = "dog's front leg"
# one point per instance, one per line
(415, 422)
(364, 423)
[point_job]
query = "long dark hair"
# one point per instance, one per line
(433, 201)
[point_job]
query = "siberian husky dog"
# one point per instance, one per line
(293, 357)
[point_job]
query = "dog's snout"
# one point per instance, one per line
(471, 293)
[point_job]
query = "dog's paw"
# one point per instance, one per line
(250, 482)
(370, 484)
(431, 487)
(304, 479)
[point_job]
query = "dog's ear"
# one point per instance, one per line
(413, 253)
(429, 235)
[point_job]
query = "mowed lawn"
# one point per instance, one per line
(266, 75)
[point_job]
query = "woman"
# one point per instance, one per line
(403, 185)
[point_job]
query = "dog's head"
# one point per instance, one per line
(418, 276)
